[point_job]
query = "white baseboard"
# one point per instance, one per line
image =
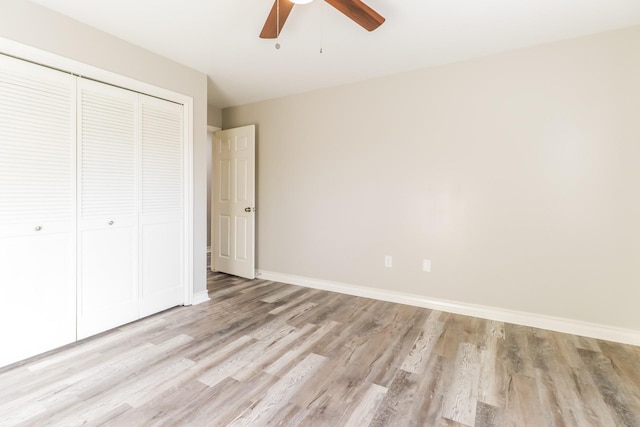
(200, 297)
(558, 324)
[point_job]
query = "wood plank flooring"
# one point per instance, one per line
(264, 353)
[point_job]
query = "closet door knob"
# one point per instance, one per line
(110, 222)
(38, 228)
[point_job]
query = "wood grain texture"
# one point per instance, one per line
(277, 17)
(267, 353)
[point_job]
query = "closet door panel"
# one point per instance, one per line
(108, 156)
(161, 270)
(38, 312)
(162, 225)
(37, 209)
(108, 270)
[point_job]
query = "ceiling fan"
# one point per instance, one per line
(356, 10)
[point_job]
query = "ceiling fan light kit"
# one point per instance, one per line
(355, 10)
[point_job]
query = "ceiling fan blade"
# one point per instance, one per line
(359, 13)
(270, 29)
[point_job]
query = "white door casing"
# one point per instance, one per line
(37, 209)
(234, 201)
(211, 130)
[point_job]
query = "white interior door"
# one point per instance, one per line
(37, 209)
(161, 222)
(234, 201)
(108, 155)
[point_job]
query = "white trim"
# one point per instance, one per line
(52, 60)
(188, 219)
(559, 324)
(212, 223)
(200, 297)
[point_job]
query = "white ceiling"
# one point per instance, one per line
(220, 37)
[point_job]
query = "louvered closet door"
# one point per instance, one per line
(37, 209)
(162, 226)
(108, 156)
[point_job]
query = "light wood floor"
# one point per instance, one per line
(268, 353)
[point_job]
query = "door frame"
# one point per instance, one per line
(211, 130)
(61, 63)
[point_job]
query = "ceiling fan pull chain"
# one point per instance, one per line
(321, 25)
(277, 23)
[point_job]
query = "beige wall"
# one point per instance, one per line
(214, 116)
(518, 175)
(35, 26)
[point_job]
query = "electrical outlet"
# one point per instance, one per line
(426, 265)
(388, 261)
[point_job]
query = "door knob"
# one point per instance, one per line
(38, 228)
(247, 209)
(110, 222)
